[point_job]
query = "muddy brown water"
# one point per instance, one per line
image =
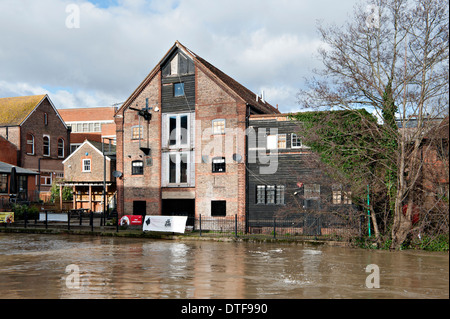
(70, 266)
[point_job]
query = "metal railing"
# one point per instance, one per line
(307, 226)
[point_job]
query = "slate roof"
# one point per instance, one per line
(5, 168)
(14, 110)
(245, 94)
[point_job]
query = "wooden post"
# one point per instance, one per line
(90, 197)
(60, 197)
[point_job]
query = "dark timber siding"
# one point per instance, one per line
(184, 103)
(293, 166)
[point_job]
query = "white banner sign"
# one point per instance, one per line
(173, 224)
(53, 217)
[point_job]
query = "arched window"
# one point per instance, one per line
(30, 144)
(60, 147)
(46, 145)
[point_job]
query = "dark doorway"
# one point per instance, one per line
(180, 207)
(139, 207)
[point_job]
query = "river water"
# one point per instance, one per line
(72, 266)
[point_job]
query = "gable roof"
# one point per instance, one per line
(97, 146)
(245, 94)
(16, 110)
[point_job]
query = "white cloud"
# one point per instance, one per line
(262, 44)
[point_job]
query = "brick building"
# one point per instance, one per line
(92, 123)
(85, 170)
(33, 125)
(181, 142)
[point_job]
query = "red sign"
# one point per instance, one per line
(131, 220)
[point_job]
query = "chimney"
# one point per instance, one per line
(262, 97)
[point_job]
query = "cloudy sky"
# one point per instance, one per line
(95, 53)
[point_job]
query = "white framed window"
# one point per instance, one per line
(260, 194)
(86, 165)
(177, 128)
(61, 147)
(46, 145)
(296, 142)
(281, 141)
(218, 126)
(276, 141)
(30, 144)
(280, 194)
(337, 197)
(272, 142)
(179, 164)
(270, 194)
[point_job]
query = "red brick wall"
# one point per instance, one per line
(55, 129)
(145, 187)
(8, 152)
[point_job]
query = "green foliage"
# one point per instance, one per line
(67, 193)
(20, 210)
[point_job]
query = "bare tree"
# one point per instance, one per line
(392, 59)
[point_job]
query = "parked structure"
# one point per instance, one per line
(33, 125)
(89, 170)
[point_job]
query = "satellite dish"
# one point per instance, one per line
(117, 174)
(237, 157)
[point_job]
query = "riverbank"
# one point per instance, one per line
(190, 236)
(436, 244)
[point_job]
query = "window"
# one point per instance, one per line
(46, 179)
(281, 140)
(218, 126)
(86, 165)
(296, 142)
(45, 119)
(218, 165)
(218, 208)
(280, 194)
(276, 141)
(137, 168)
(270, 194)
(46, 146)
(272, 142)
(261, 194)
(337, 197)
(347, 200)
(178, 168)
(3, 183)
(136, 132)
(178, 130)
(30, 144)
(73, 147)
(178, 89)
(312, 191)
(60, 147)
